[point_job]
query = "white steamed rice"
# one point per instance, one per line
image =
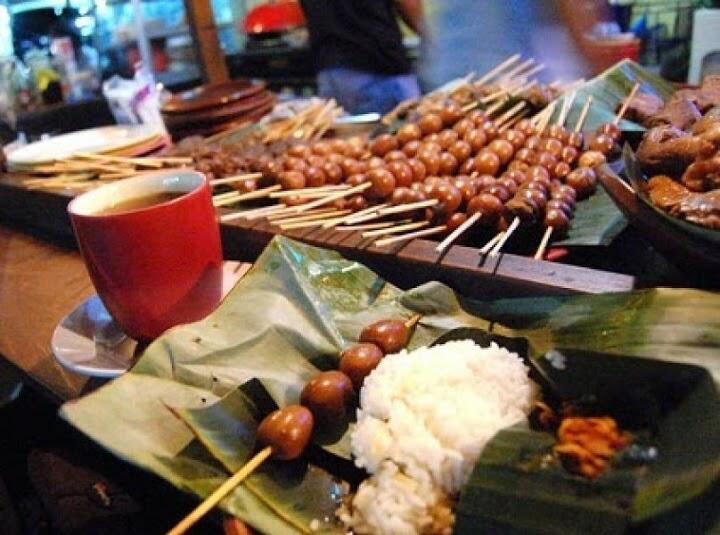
(424, 418)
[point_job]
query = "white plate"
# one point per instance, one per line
(88, 342)
(102, 139)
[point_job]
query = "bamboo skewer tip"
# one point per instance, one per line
(455, 234)
(223, 490)
(505, 237)
(626, 103)
(410, 323)
(543, 244)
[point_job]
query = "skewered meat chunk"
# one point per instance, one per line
(703, 175)
(669, 150)
(680, 110)
(709, 92)
(699, 208)
(702, 209)
(665, 192)
(707, 121)
(642, 108)
(540, 95)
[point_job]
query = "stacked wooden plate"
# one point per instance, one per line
(118, 140)
(213, 108)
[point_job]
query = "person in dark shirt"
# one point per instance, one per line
(359, 51)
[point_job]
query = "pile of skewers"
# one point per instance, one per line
(88, 170)
(511, 80)
(211, 155)
(307, 123)
(442, 174)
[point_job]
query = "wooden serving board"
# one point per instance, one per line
(403, 264)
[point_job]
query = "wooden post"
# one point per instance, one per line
(206, 41)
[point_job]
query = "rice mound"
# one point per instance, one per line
(424, 418)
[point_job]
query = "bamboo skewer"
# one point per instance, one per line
(409, 207)
(252, 213)
(523, 88)
(236, 178)
(70, 166)
(277, 209)
(402, 107)
(150, 161)
(411, 322)
(357, 217)
(364, 218)
(497, 70)
(222, 491)
(138, 162)
(372, 226)
(543, 115)
(57, 179)
(495, 107)
(490, 244)
(411, 235)
(510, 113)
(290, 210)
(583, 114)
(316, 211)
(517, 69)
(543, 244)
(116, 176)
(455, 234)
(318, 219)
(568, 101)
(625, 104)
(536, 69)
(501, 242)
(312, 221)
(394, 230)
(512, 122)
(258, 194)
(308, 192)
(500, 93)
(542, 124)
(225, 195)
(333, 197)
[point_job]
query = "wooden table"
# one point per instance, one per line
(39, 284)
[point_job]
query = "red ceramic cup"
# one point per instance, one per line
(153, 267)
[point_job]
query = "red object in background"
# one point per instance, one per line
(556, 253)
(160, 59)
(607, 52)
(274, 17)
(153, 267)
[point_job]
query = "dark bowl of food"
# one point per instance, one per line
(682, 224)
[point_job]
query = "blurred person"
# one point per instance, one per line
(464, 36)
(359, 51)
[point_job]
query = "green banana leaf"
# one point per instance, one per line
(674, 412)
(609, 89)
(597, 221)
(186, 410)
(298, 492)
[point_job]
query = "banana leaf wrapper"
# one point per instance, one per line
(188, 408)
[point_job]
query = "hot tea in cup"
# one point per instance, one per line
(151, 244)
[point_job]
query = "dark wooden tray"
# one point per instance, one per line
(404, 264)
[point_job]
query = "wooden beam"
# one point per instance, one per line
(206, 41)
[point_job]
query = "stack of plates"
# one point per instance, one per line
(213, 108)
(118, 140)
